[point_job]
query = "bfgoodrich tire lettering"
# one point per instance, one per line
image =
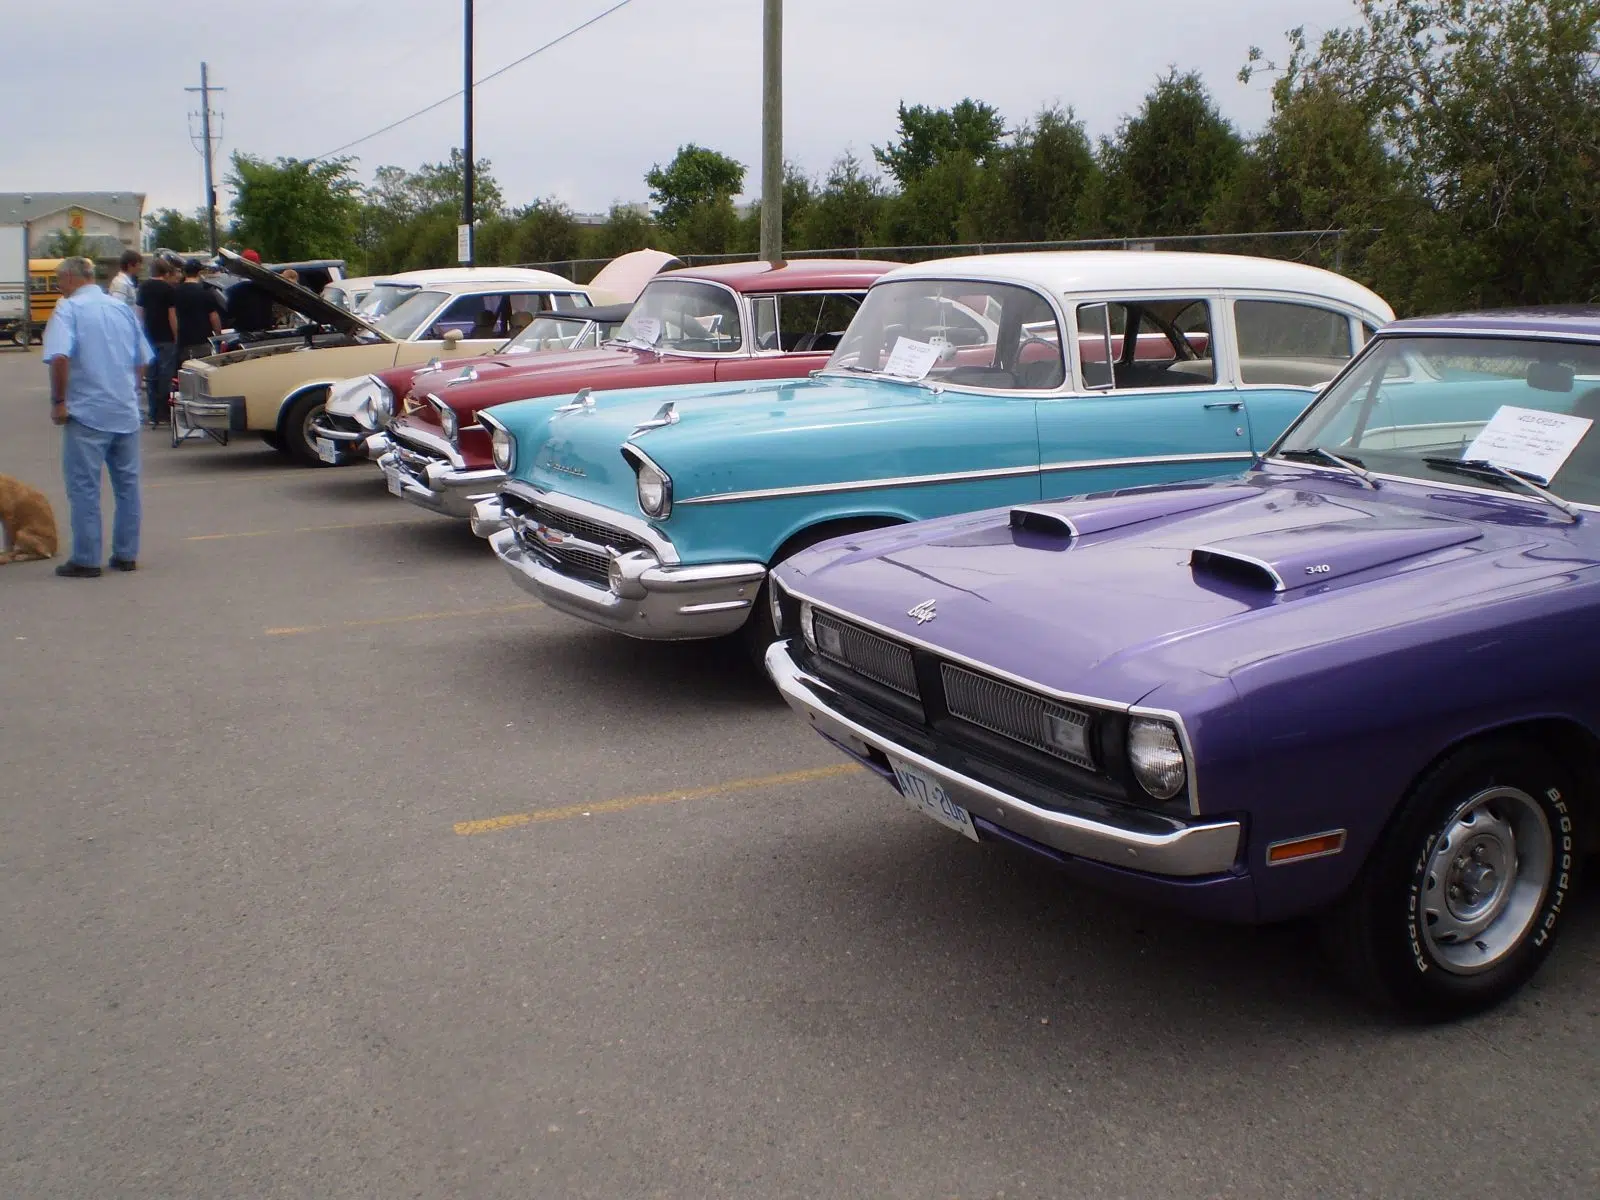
(1460, 902)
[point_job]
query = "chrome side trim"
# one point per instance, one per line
(1267, 568)
(1091, 464)
(430, 442)
(1492, 332)
(1184, 851)
(860, 485)
(633, 526)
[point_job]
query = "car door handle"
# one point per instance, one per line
(1230, 405)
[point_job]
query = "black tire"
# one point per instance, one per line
(295, 432)
(757, 634)
(1406, 936)
(271, 438)
(21, 336)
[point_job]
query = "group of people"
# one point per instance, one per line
(179, 313)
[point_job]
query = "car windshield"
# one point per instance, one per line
(411, 314)
(682, 315)
(1417, 406)
(964, 333)
(383, 299)
(550, 331)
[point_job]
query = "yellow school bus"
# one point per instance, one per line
(42, 289)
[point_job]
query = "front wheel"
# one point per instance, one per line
(1459, 904)
(299, 439)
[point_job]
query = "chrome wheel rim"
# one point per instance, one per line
(1487, 873)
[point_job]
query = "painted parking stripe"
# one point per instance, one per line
(288, 630)
(623, 803)
(217, 537)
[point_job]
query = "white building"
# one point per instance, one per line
(110, 222)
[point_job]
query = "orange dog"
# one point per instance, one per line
(28, 522)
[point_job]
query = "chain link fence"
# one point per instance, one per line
(1334, 249)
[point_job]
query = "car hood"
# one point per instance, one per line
(301, 300)
(721, 437)
(1117, 595)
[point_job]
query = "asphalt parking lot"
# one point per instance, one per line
(332, 866)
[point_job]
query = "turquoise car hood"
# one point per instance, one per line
(726, 438)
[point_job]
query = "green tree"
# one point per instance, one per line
(66, 243)
(408, 219)
(1168, 164)
(295, 208)
(1493, 110)
(846, 209)
(939, 207)
(798, 195)
(1035, 187)
(171, 230)
(626, 229)
(544, 231)
(970, 129)
(697, 184)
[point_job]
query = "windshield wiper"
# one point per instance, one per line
(1482, 466)
(1318, 454)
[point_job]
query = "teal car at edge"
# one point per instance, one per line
(960, 385)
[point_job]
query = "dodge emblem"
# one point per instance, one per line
(924, 612)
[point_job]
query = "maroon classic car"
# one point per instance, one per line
(714, 324)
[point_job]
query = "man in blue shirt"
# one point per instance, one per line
(97, 356)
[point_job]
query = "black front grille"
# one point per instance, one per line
(590, 561)
(1015, 713)
(878, 658)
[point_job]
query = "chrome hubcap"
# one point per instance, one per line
(1486, 878)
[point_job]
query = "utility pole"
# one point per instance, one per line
(772, 134)
(464, 238)
(208, 149)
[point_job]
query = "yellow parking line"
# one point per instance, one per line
(214, 537)
(285, 630)
(621, 804)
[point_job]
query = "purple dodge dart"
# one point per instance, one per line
(1361, 681)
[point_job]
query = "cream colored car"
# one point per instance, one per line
(278, 391)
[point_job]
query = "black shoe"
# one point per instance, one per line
(123, 564)
(72, 570)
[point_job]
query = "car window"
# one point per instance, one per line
(1285, 343)
(974, 333)
(489, 315)
(548, 331)
(1150, 342)
(411, 314)
(681, 314)
(567, 301)
(1411, 399)
(803, 322)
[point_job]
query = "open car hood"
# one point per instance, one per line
(622, 279)
(291, 295)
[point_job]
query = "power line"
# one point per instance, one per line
(478, 83)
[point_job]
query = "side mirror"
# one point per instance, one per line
(451, 337)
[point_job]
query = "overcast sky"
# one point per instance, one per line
(584, 121)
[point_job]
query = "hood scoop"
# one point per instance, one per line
(1080, 519)
(1285, 560)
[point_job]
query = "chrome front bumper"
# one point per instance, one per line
(221, 413)
(655, 602)
(488, 517)
(1186, 850)
(434, 484)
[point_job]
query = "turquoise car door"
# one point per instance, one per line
(1150, 410)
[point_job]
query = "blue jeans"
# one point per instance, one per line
(84, 452)
(158, 380)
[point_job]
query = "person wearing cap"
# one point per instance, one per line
(199, 313)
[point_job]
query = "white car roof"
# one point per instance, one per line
(435, 277)
(1073, 272)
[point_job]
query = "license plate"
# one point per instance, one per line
(927, 796)
(396, 486)
(328, 451)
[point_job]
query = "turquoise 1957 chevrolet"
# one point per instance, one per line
(963, 384)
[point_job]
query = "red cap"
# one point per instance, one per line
(251, 256)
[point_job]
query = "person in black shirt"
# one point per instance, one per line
(156, 295)
(199, 313)
(249, 308)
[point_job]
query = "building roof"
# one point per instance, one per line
(1575, 320)
(1100, 271)
(794, 275)
(16, 207)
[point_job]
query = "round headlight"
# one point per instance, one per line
(449, 422)
(808, 628)
(655, 490)
(1156, 756)
(503, 447)
(382, 405)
